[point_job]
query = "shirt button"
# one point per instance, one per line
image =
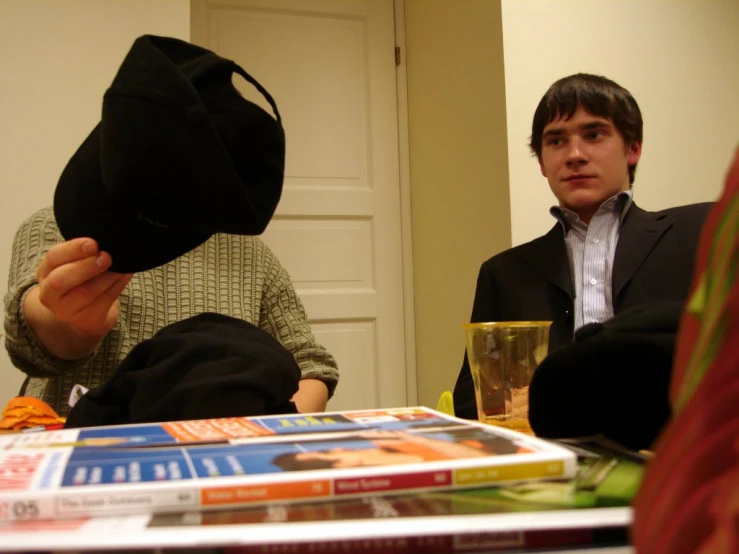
(596, 241)
(593, 281)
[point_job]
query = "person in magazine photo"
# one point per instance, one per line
(382, 447)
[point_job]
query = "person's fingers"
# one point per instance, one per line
(81, 297)
(64, 253)
(115, 289)
(98, 316)
(63, 279)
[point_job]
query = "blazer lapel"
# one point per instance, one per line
(548, 257)
(639, 233)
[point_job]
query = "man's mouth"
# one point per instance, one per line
(579, 177)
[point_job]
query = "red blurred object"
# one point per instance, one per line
(689, 499)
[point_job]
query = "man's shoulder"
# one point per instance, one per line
(40, 222)
(244, 241)
(687, 219)
(518, 254)
(45, 214)
(686, 211)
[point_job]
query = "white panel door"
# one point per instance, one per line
(329, 64)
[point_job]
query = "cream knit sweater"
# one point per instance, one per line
(232, 275)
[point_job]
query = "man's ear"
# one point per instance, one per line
(634, 153)
(541, 168)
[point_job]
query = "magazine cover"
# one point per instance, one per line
(211, 464)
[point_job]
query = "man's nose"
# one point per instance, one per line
(575, 153)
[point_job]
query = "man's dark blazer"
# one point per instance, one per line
(653, 261)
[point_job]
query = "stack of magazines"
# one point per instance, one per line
(412, 477)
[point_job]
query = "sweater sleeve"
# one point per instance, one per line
(283, 316)
(32, 240)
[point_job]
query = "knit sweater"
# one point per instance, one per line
(232, 275)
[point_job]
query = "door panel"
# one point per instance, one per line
(329, 64)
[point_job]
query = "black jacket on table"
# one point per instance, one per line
(653, 261)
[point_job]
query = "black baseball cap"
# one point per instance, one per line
(179, 154)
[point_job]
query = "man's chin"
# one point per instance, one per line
(585, 200)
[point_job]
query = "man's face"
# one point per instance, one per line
(586, 161)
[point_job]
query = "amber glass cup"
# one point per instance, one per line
(503, 356)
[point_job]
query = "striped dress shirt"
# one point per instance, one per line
(591, 250)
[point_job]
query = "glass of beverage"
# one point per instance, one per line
(502, 357)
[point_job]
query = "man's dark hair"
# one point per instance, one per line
(599, 97)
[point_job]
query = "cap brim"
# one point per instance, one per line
(83, 207)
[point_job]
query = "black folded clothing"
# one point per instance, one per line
(613, 379)
(207, 366)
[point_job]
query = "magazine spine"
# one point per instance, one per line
(192, 494)
(53, 504)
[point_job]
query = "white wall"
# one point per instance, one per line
(679, 60)
(57, 57)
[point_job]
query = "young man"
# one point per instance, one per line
(604, 253)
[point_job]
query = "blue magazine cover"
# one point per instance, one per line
(251, 461)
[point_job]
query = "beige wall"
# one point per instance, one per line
(677, 57)
(56, 60)
(458, 167)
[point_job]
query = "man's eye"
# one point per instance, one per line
(593, 135)
(553, 142)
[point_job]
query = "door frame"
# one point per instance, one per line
(406, 228)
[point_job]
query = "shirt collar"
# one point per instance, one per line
(619, 203)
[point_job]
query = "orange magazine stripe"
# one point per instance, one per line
(247, 494)
(226, 428)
